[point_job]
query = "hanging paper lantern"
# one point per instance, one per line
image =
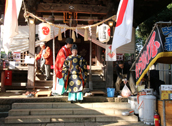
(44, 32)
(104, 33)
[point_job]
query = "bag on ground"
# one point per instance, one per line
(125, 91)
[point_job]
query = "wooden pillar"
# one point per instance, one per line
(31, 67)
(109, 74)
(2, 81)
(90, 74)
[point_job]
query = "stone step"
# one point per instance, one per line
(83, 124)
(118, 105)
(73, 111)
(70, 118)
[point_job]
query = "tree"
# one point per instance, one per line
(144, 29)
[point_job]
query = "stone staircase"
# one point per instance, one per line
(65, 112)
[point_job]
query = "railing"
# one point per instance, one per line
(13, 64)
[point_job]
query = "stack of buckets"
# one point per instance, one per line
(147, 107)
(110, 92)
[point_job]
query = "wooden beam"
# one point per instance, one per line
(109, 74)
(3, 81)
(31, 67)
(80, 8)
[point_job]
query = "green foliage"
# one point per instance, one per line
(144, 29)
(146, 26)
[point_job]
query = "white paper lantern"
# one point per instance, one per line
(104, 33)
(44, 32)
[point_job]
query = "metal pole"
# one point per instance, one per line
(90, 74)
(54, 76)
(164, 113)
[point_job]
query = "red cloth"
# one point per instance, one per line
(48, 56)
(61, 57)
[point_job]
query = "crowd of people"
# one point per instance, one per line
(71, 71)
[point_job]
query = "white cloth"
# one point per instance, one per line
(12, 9)
(123, 30)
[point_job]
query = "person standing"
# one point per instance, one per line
(63, 53)
(75, 75)
(46, 57)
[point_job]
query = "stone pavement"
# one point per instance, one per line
(76, 124)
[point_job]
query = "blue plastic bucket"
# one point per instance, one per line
(110, 92)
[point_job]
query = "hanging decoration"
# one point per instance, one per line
(90, 31)
(110, 55)
(27, 14)
(97, 31)
(104, 33)
(76, 33)
(60, 35)
(86, 35)
(73, 36)
(44, 32)
(65, 32)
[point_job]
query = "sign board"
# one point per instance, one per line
(150, 51)
(110, 55)
(17, 57)
(166, 90)
(29, 60)
(119, 57)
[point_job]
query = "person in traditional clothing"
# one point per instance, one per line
(75, 75)
(46, 57)
(64, 52)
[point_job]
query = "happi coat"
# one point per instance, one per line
(77, 76)
(48, 56)
(61, 57)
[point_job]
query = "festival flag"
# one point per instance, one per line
(123, 29)
(12, 9)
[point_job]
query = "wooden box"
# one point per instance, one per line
(167, 112)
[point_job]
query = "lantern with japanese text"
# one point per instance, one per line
(104, 33)
(44, 32)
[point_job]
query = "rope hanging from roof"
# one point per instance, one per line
(27, 14)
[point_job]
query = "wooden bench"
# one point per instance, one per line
(44, 93)
(98, 92)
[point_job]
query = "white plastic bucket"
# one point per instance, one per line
(133, 102)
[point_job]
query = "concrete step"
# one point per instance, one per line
(60, 105)
(73, 111)
(70, 118)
